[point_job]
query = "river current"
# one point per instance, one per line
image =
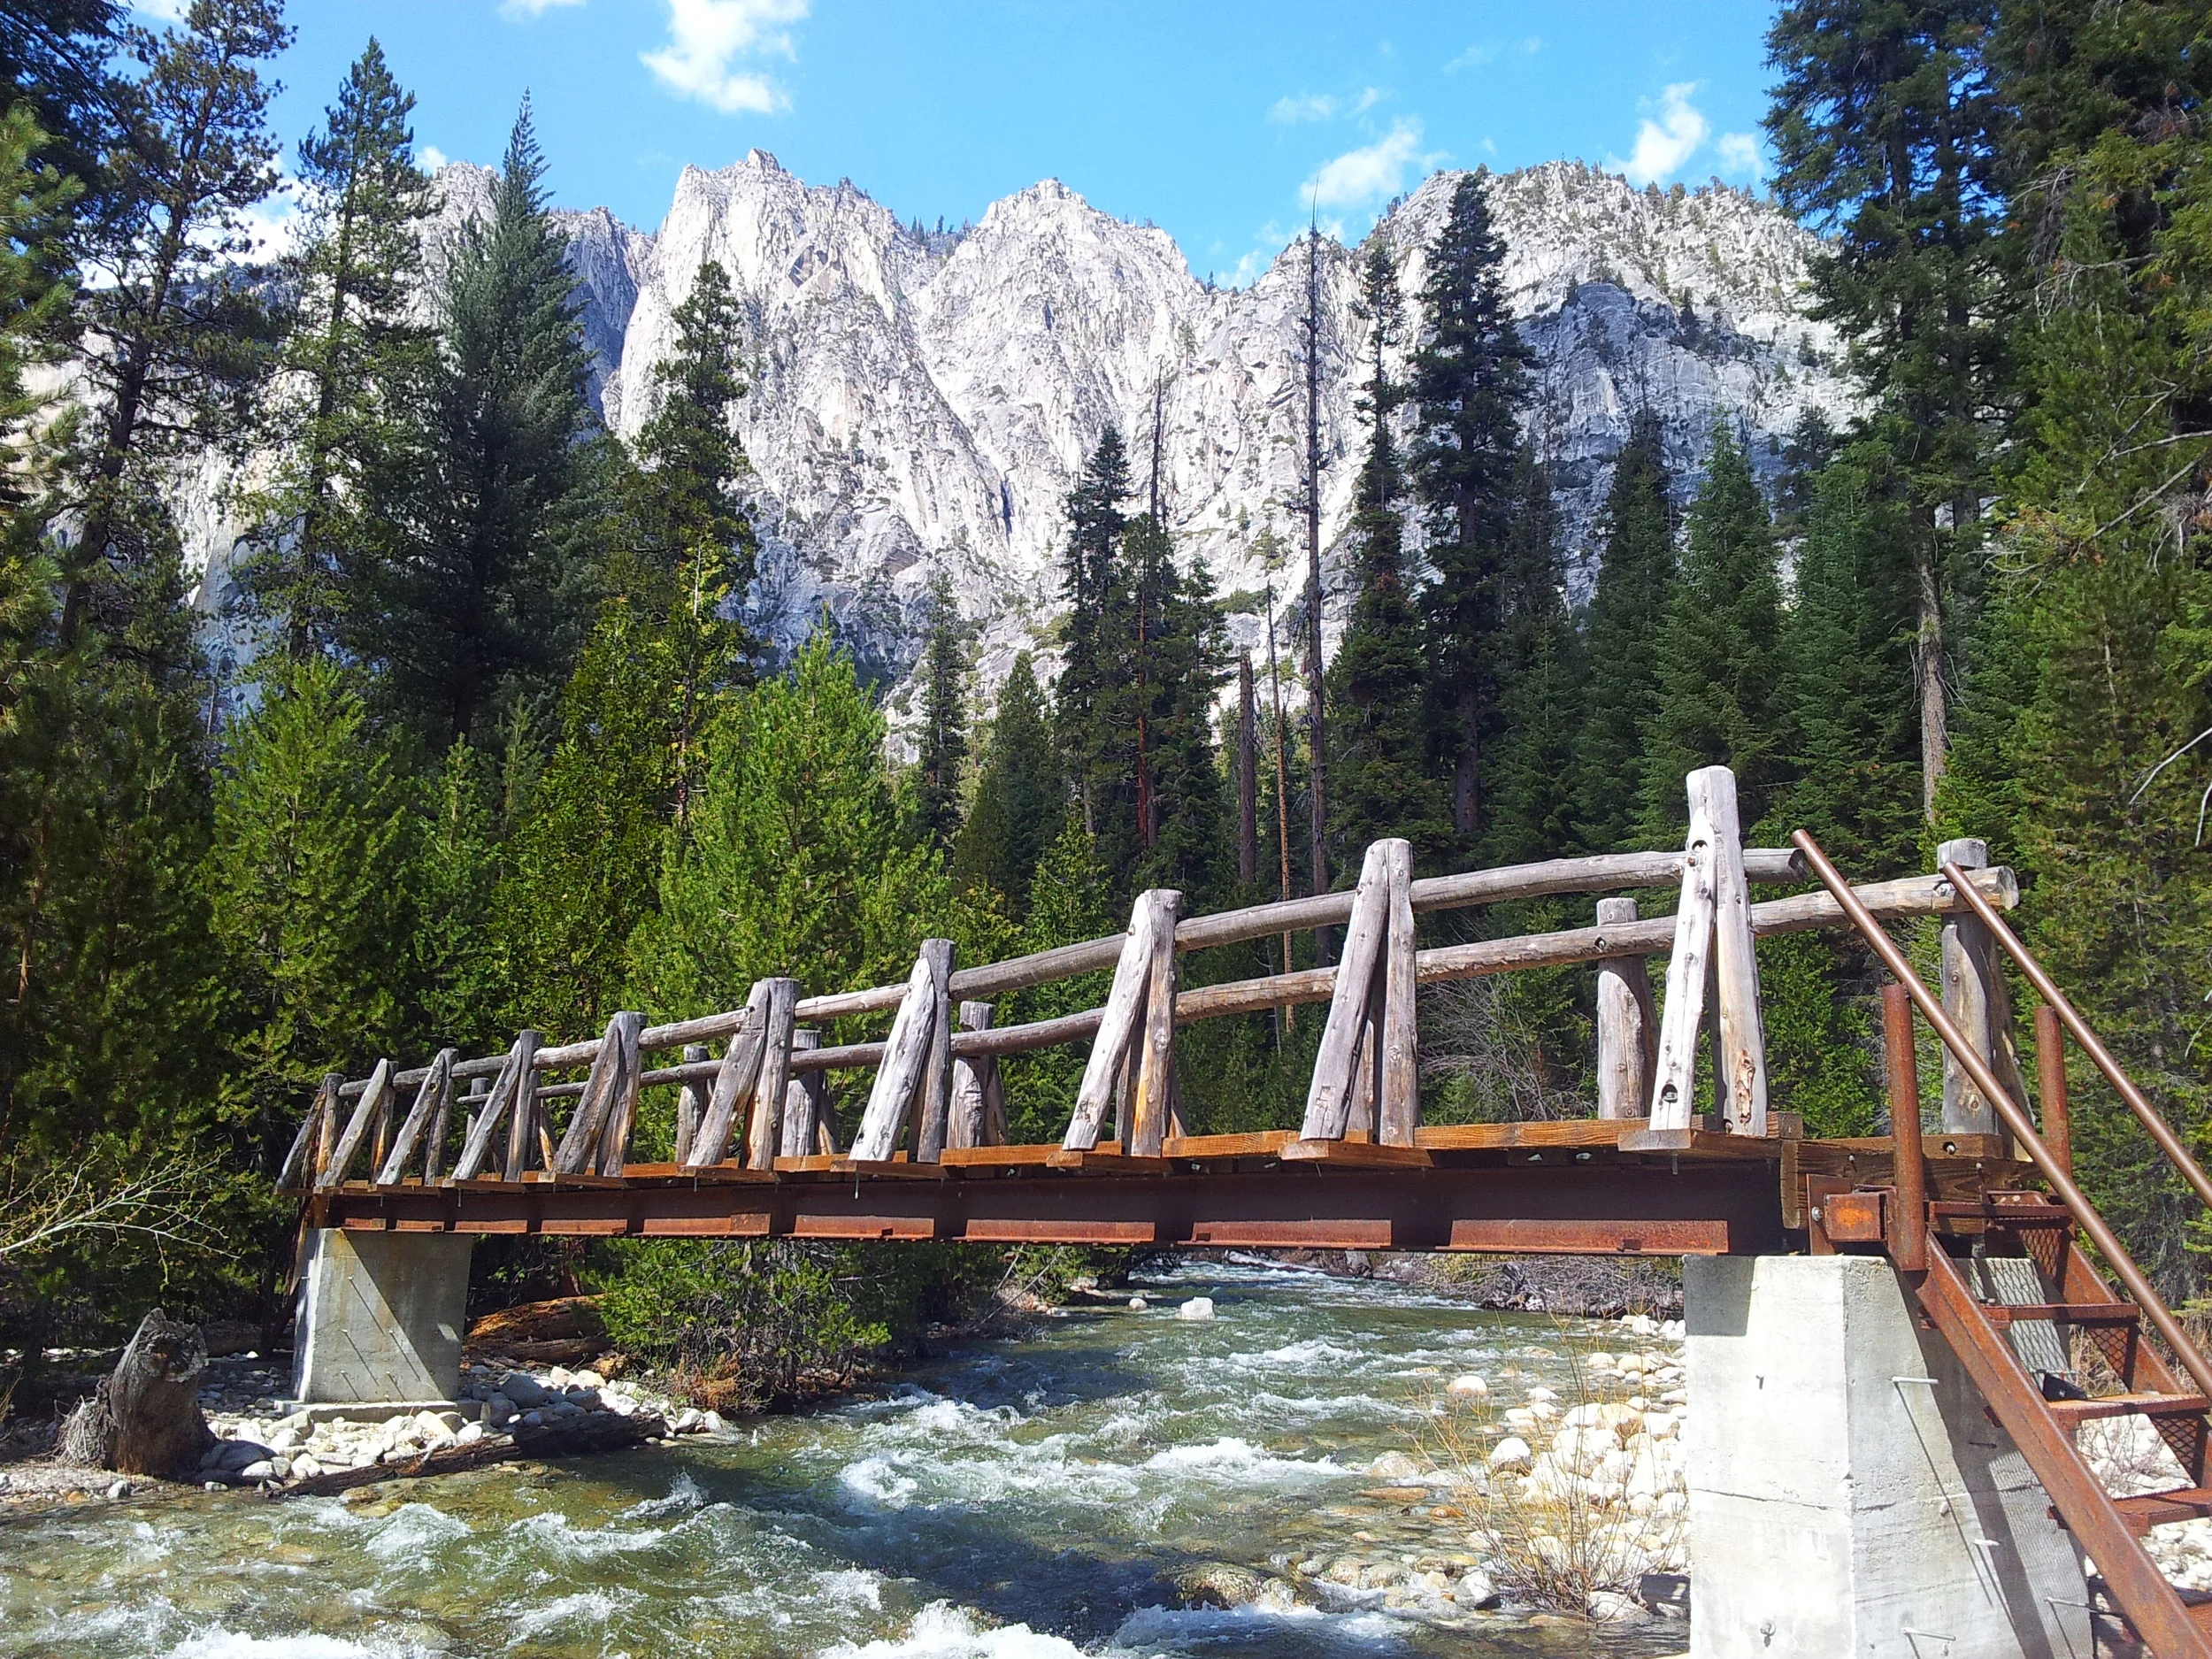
(1015, 1499)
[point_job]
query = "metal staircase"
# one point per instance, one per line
(2006, 1280)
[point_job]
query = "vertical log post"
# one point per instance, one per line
(1674, 1073)
(602, 1087)
(2050, 1074)
(1626, 1032)
(326, 1132)
(372, 1105)
(801, 1095)
(504, 1097)
(474, 1102)
(765, 1137)
(522, 1132)
(1110, 1048)
(1401, 1077)
(972, 1081)
(691, 1103)
(430, 1099)
(614, 1139)
(905, 1057)
(933, 1097)
(1329, 1097)
(1145, 1136)
(1743, 1071)
(733, 1082)
(1971, 990)
(1909, 1224)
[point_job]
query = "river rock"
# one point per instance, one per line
(1470, 1386)
(1609, 1607)
(1198, 1307)
(236, 1455)
(1395, 1467)
(1219, 1583)
(524, 1390)
(1137, 1304)
(1510, 1453)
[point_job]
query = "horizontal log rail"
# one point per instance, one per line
(1595, 874)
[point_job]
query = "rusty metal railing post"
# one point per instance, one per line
(1909, 1228)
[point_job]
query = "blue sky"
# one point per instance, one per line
(1218, 120)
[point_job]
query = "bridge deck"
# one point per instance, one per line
(1584, 1187)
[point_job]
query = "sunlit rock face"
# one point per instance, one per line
(923, 401)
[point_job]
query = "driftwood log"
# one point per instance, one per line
(144, 1419)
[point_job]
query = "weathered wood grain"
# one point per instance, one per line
(764, 1134)
(905, 1056)
(1146, 1129)
(376, 1093)
(691, 1099)
(1626, 1034)
(1399, 1079)
(1119, 1019)
(1743, 1051)
(932, 1093)
(734, 1081)
(527, 1128)
(429, 1095)
(1329, 1097)
(477, 1146)
(1674, 1077)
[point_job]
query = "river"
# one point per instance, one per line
(1009, 1499)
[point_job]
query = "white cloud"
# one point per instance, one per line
(1371, 172)
(1739, 152)
(706, 38)
(1663, 145)
(429, 158)
(517, 10)
(166, 11)
(1308, 106)
(1474, 58)
(1368, 99)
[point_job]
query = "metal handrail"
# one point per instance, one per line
(2016, 1119)
(2046, 987)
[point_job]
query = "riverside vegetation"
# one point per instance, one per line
(506, 753)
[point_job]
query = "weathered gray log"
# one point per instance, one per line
(428, 1097)
(1399, 1076)
(614, 1139)
(972, 1076)
(525, 1129)
(932, 1096)
(1743, 1069)
(144, 1418)
(1144, 1130)
(733, 1082)
(442, 1124)
(801, 1095)
(505, 1087)
(1363, 1113)
(691, 1100)
(1627, 1036)
(1976, 997)
(378, 1091)
(1329, 1096)
(905, 1057)
(327, 1135)
(574, 1155)
(765, 1130)
(298, 1159)
(1675, 1075)
(1110, 1048)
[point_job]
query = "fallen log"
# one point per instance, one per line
(602, 1432)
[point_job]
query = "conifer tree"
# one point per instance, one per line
(1180, 658)
(944, 733)
(1382, 782)
(460, 974)
(1021, 799)
(1100, 621)
(1627, 608)
(1719, 656)
(1531, 771)
(55, 70)
(481, 605)
(356, 356)
(1468, 385)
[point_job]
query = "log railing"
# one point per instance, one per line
(936, 1084)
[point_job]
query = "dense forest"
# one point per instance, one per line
(504, 751)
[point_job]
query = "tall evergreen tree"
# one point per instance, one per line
(1628, 606)
(481, 605)
(55, 59)
(1530, 773)
(356, 356)
(1099, 623)
(1020, 798)
(944, 734)
(1468, 386)
(1719, 656)
(1885, 128)
(1382, 781)
(1180, 660)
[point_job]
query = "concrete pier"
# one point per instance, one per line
(381, 1318)
(1850, 1496)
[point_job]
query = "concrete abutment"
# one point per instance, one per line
(1850, 1496)
(382, 1316)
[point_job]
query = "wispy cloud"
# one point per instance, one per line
(1307, 106)
(166, 11)
(1739, 153)
(429, 158)
(518, 10)
(1371, 172)
(1475, 56)
(709, 39)
(1663, 145)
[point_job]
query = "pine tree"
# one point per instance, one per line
(1628, 607)
(1530, 774)
(944, 733)
(481, 605)
(1021, 800)
(459, 978)
(1182, 657)
(1096, 751)
(355, 357)
(1382, 783)
(54, 71)
(1468, 385)
(1886, 133)
(1719, 656)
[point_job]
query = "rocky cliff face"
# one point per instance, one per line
(925, 402)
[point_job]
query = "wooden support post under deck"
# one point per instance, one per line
(1741, 1076)
(933, 1094)
(766, 1136)
(1145, 1135)
(1627, 1033)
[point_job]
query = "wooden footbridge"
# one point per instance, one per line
(1981, 1217)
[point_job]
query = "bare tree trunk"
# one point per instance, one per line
(1248, 776)
(145, 1418)
(1928, 672)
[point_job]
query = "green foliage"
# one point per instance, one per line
(1628, 607)
(1531, 770)
(944, 735)
(1021, 802)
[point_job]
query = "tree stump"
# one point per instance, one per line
(144, 1419)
